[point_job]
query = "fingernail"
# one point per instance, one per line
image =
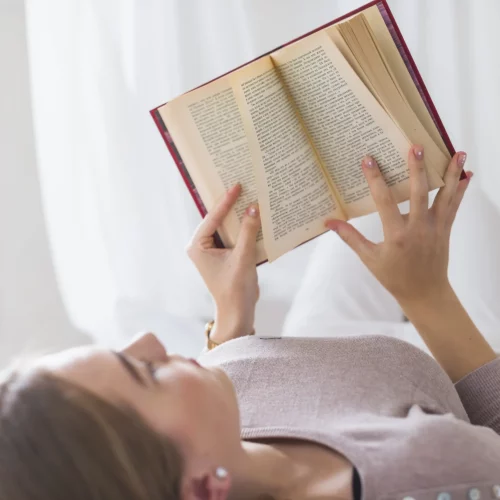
(469, 175)
(418, 151)
(462, 158)
(221, 473)
(330, 226)
(234, 187)
(369, 162)
(253, 211)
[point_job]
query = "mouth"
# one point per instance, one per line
(194, 362)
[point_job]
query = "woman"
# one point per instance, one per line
(348, 417)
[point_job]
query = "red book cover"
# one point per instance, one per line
(403, 50)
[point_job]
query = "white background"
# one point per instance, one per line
(32, 316)
(110, 211)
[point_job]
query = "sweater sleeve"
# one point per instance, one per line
(480, 395)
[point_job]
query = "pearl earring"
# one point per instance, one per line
(221, 473)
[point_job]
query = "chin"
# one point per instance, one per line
(223, 381)
(220, 374)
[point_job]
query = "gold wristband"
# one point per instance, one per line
(208, 329)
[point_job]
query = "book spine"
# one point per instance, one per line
(188, 181)
(178, 161)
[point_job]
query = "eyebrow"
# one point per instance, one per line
(131, 369)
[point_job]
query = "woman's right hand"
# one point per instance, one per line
(412, 261)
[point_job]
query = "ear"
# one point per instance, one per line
(213, 486)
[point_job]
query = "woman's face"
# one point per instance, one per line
(196, 407)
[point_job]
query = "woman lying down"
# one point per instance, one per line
(346, 417)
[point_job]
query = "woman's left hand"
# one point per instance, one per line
(230, 274)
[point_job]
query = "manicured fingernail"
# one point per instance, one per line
(331, 226)
(462, 158)
(369, 162)
(253, 210)
(418, 151)
(221, 473)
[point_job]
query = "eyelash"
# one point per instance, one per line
(151, 368)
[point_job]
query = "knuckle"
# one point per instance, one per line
(421, 197)
(385, 197)
(247, 222)
(251, 226)
(398, 237)
(422, 232)
(419, 166)
(374, 173)
(455, 170)
(190, 250)
(217, 219)
(456, 167)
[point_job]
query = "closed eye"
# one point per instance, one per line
(151, 370)
(136, 373)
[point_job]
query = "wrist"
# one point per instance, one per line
(423, 306)
(229, 326)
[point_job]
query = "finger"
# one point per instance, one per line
(214, 219)
(246, 245)
(419, 187)
(382, 195)
(451, 179)
(457, 199)
(352, 237)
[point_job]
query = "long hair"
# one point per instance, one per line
(61, 442)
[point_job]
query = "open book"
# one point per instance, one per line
(293, 127)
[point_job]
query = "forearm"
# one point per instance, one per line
(449, 333)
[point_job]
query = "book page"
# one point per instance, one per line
(344, 121)
(294, 195)
(401, 74)
(361, 43)
(402, 81)
(207, 129)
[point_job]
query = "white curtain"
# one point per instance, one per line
(117, 212)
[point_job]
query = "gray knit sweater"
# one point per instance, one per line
(384, 404)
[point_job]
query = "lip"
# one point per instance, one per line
(194, 362)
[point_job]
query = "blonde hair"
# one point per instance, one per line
(59, 442)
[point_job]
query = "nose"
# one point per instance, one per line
(147, 346)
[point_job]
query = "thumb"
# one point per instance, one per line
(247, 239)
(351, 236)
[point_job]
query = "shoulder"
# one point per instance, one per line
(367, 355)
(251, 346)
(363, 372)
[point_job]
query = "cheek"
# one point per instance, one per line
(197, 410)
(205, 401)
(184, 401)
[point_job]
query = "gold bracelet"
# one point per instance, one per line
(208, 329)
